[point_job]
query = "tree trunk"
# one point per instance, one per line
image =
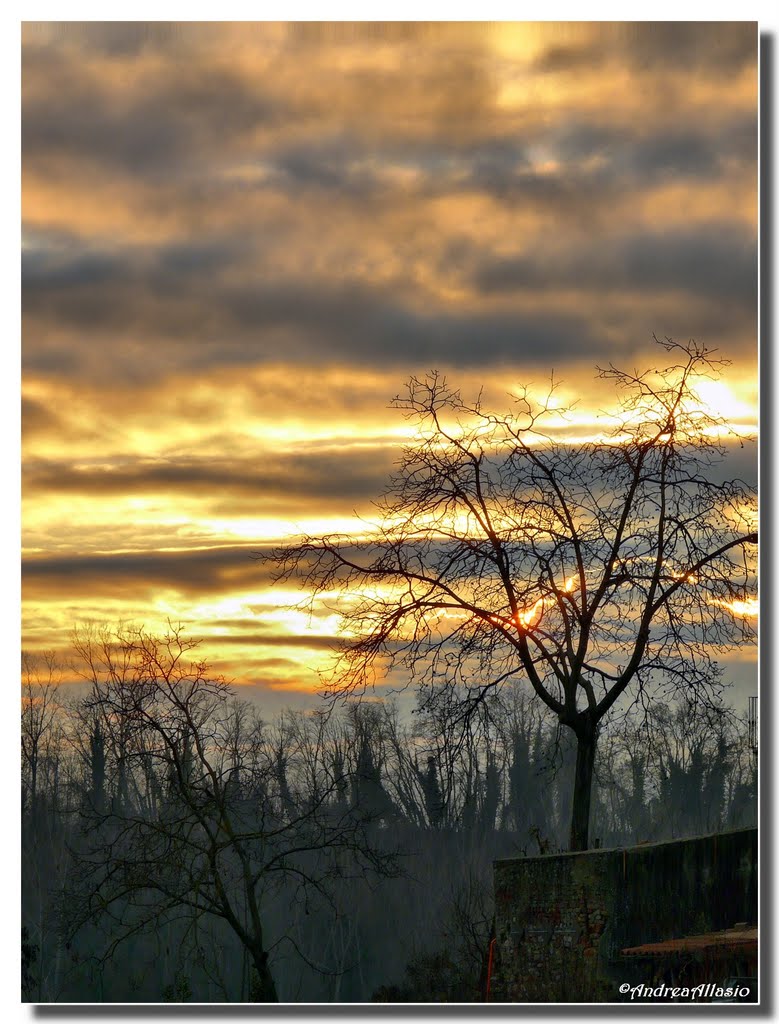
(262, 988)
(586, 738)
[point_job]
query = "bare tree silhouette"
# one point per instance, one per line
(203, 820)
(587, 569)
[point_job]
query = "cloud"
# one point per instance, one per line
(149, 125)
(38, 418)
(240, 239)
(629, 157)
(713, 261)
(191, 571)
(214, 321)
(655, 47)
(265, 638)
(284, 223)
(712, 48)
(295, 481)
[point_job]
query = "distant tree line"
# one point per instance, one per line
(177, 846)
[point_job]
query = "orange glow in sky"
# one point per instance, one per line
(239, 241)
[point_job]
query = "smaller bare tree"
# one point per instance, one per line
(227, 830)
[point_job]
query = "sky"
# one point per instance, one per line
(239, 241)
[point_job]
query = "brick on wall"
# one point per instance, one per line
(562, 920)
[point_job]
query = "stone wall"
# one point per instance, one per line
(561, 921)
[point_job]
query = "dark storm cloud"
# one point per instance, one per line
(633, 156)
(112, 39)
(331, 166)
(714, 261)
(359, 324)
(300, 479)
(711, 49)
(63, 270)
(191, 571)
(130, 329)
(66, 266)
(353, 169)
(217, 321)
(692, 153)
(178, 115)
(599, 164)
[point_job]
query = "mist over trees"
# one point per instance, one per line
(180, 847)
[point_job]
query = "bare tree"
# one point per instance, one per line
(228, 828)
(591, 570)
